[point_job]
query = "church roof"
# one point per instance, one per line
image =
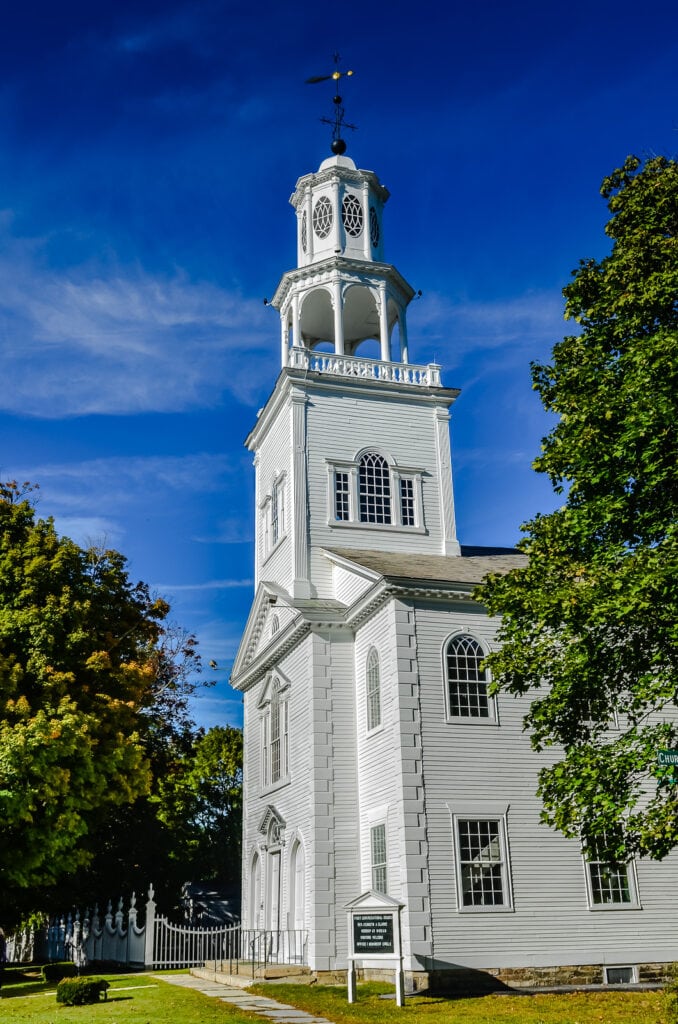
(471, 567)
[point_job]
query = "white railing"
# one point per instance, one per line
(178, 945)
(366, 369)
(157, 943)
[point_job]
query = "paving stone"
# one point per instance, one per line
(270, 1009)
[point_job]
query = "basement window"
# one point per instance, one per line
(626, 975)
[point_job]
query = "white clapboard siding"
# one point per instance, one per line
(348, 586)
(491, 766)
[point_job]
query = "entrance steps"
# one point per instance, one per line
(241, 975)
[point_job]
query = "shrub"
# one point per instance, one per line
(671, 995)
(81, 991)
(55, 972)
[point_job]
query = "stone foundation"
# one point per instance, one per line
(466, 981)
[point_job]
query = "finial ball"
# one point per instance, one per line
(338, 147)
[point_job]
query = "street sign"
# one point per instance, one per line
(667, 757)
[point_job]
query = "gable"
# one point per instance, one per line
(269, 605)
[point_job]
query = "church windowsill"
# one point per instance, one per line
(273, 787)
(351, 524)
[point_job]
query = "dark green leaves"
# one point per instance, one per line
(592, 623)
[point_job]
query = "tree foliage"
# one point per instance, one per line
(94, 688)
(200, 802)
(590, 626)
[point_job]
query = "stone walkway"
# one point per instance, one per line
(244, 1000)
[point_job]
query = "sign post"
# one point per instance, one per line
(374, 934)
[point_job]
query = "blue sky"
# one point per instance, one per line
(148, 153)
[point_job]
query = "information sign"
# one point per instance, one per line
(667, 757)
(373, 933)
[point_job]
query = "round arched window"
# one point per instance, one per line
(352, 214)
(322, 217)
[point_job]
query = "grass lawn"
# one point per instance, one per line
(147, 999)
(132, 999)
(569, 1008)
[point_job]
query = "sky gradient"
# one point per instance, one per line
(148, 153)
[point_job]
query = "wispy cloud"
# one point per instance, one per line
(206, 585)
(84, 488)
(524, 322)
(229, 531)
(75, 341)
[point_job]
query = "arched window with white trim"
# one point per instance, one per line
(275, 739)
(467, 679)
(373, 690)
(254, 911)
(297, 887)
(374, 489)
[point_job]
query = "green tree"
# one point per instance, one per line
(83, 666)
(590, 626)
(200, 802)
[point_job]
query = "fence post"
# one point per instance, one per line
(150, 929)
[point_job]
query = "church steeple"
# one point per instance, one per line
(341, 293)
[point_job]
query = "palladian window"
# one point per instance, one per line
(374, 491)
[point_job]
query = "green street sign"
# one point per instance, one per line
(667, 757)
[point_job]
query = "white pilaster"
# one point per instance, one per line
(338, 305)
(367, 243)
(284, 339)
(383, 324)
(444, 460)
(310, 236)
(296, 326)
(301, 586)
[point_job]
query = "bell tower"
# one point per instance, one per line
(352, 448)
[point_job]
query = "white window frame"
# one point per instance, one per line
(275, 692)
(482, 813)
(371, 661)
(633, 968)
(273, 515)
(381, 865)
(397, 473)
(633, 903)
(492, 716)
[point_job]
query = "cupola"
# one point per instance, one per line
(341, 293)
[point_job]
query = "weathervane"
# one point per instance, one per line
(337, 122)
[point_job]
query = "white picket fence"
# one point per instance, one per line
(155, 944)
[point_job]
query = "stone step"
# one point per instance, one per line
(242, 976)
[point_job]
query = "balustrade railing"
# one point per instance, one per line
(366, 369)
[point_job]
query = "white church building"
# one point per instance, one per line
(375, 758)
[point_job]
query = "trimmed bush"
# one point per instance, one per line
(62, 969)
(81, 991)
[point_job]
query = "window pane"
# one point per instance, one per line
(467, 680)
(609, 880)
(341, 499)
(407, 502)
(481, 863)
(373, 691)
(375, 489)
(378, 843)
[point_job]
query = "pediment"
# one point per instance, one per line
(257, 633)
(372, 900)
